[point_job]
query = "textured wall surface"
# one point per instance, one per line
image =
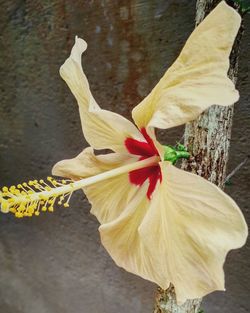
(55, 263)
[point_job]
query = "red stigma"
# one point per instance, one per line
(144, 149)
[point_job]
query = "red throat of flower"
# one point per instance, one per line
(144, 150)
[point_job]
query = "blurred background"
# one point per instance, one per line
(55, 263)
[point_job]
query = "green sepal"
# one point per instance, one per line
(173, 154)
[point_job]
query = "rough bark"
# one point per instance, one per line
(165, 302)
(208, 140)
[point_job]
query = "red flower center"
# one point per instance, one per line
(144, 149)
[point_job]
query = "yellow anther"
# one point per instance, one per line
(35, 196)
(5, 206)
(21, 208)
(18, 214)
(13, 210)
(31, 210)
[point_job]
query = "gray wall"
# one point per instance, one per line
(55, 263)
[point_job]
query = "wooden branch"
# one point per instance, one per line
(208, 141)
(165, 302)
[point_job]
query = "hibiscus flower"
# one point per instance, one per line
(157, 221)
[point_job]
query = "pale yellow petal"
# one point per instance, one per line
(109, 197)
(189, 228)
(87, 164)
(182, 236)
(121, 238)
(198, 78)
(101, 128)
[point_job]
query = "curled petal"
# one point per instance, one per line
(102, 129)
(198, 78)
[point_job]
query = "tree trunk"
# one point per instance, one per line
(208, 140)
